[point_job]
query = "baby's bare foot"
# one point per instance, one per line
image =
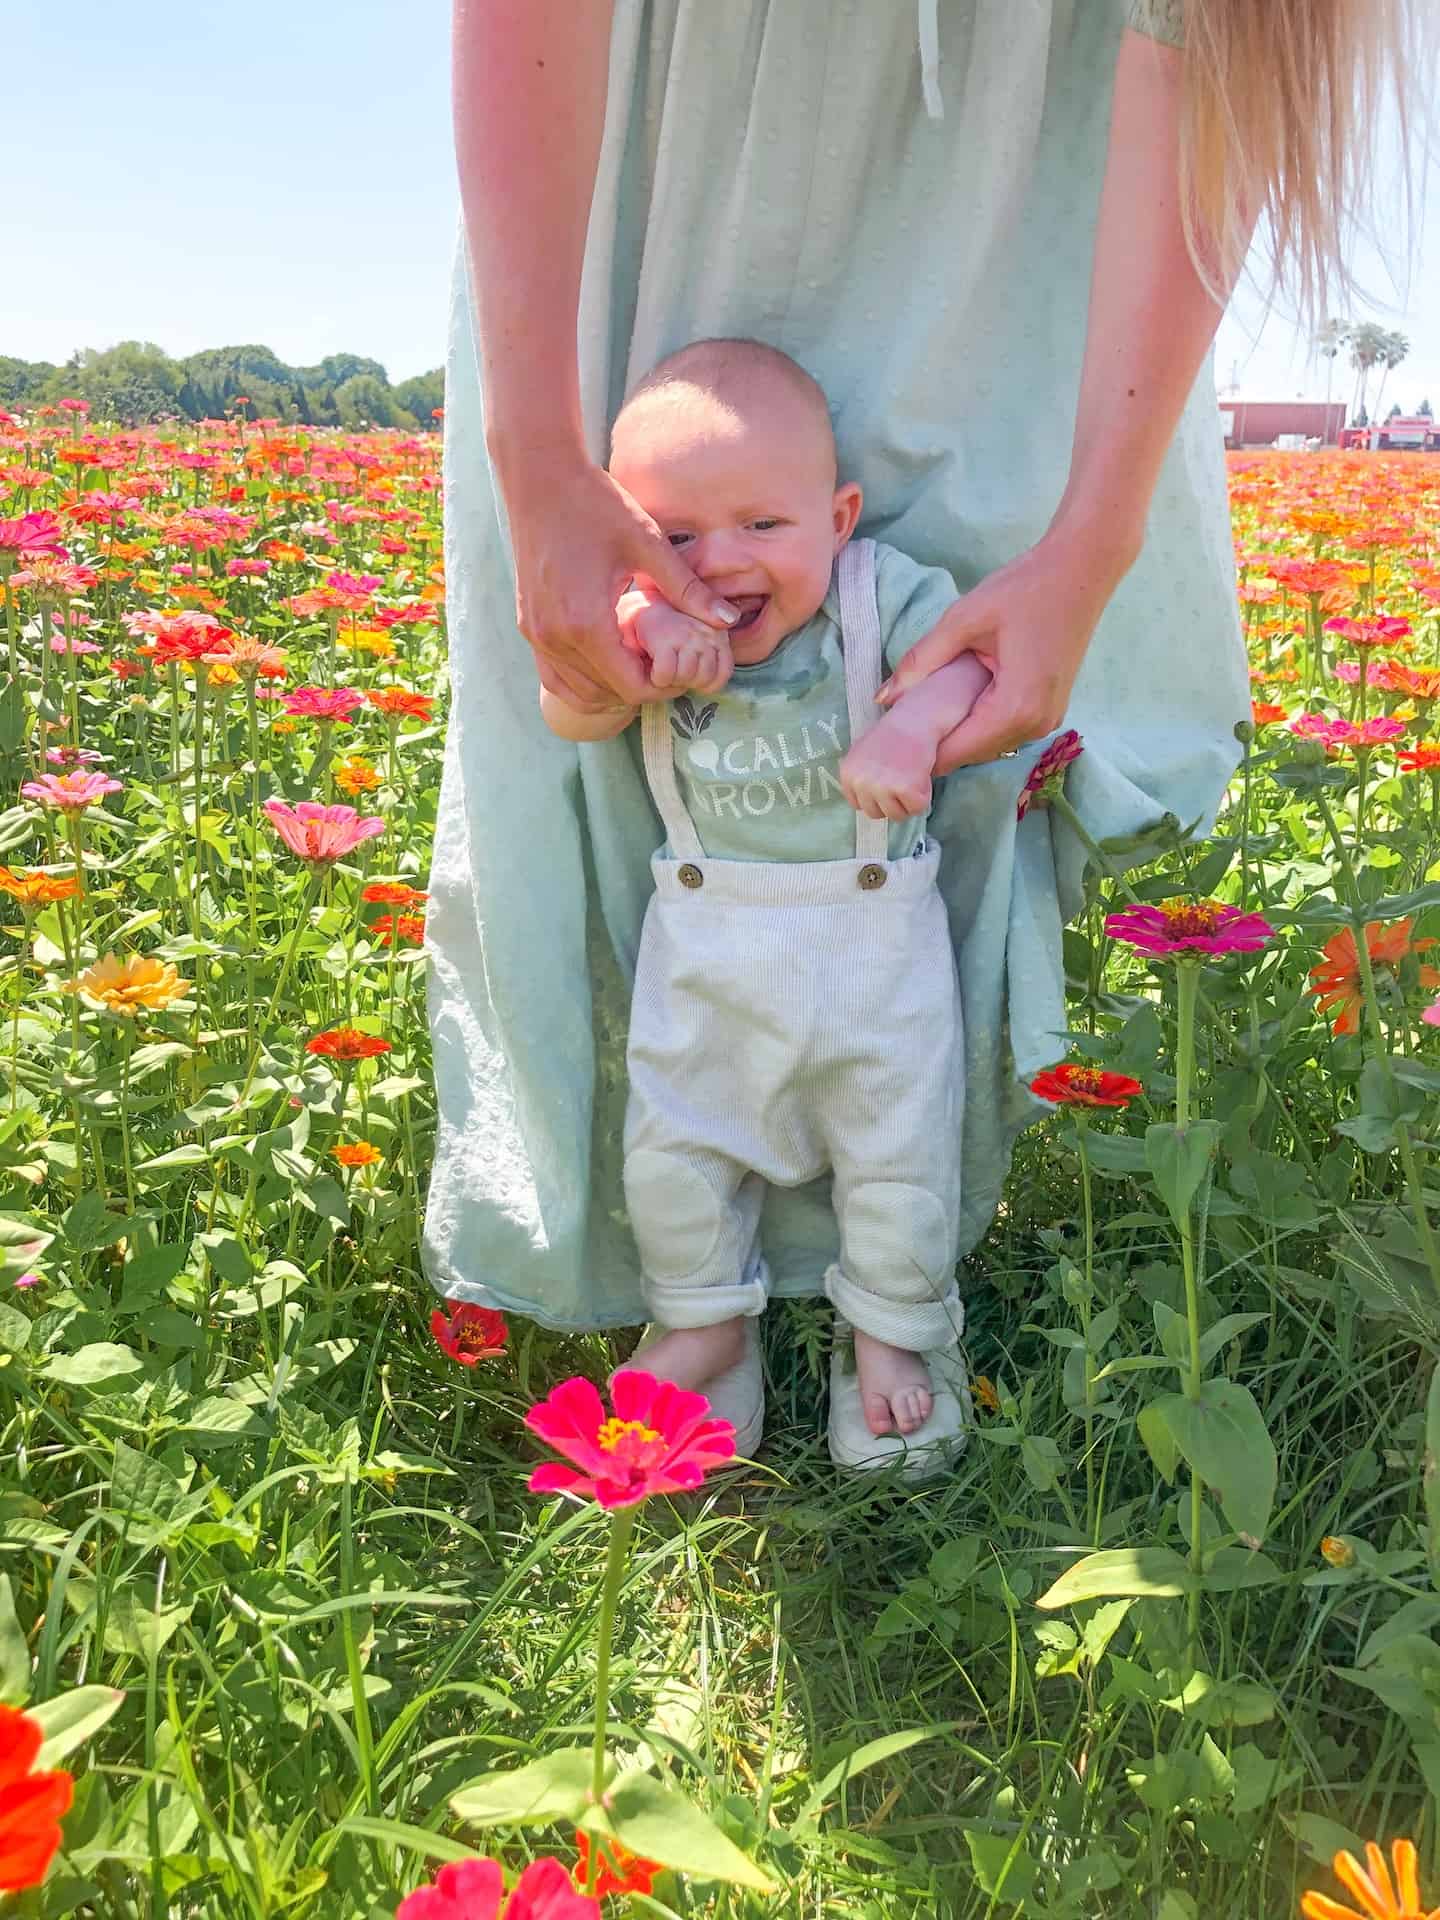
(894, 1386)
(694, 1356)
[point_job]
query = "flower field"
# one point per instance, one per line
(297, 1616)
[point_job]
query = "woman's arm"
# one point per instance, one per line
(530, 81)
(1150, 324)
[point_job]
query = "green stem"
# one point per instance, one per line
(316, 876)
(1187, 986)
(1092, 846)
(125, 1118)
(622, 1526)
(1092, 1518)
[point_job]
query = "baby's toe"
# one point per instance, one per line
(912, 1409)
(877, 1413)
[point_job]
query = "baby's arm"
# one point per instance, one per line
(888, 771)
(570, 724)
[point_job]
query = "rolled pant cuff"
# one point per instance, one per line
(690, 1306)
(916, 1325)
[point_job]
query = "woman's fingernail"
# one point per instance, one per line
(884, 690)
(726, 612)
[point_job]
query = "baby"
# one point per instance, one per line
(796, 1010)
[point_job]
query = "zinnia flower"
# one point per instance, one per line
(1198, 926)
(469, 1333)
(475, 1890)
(659, 1439)
(393, 928)
(1379, 1899)
(398, 893)
(318, 833)
(1077, 1086)
(32, 1805)
(71, 792)
(32, 533)
(355, 775)
(1424, 758)
(620, 1870)
(1266, 713)
(1337, 1552)
(1381, 630)
(400, 700)
(1337, 976)
(140, 984)
(36, 890)
(1047, 777)
(358, 1153)
(347, 1043)
(323, 703)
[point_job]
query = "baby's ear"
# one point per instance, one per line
(845, 511)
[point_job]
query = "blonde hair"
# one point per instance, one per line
(1281, 113)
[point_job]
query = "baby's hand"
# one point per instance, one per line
(887, 772)
(685, 655)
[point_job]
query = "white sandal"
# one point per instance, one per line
(931, 1448)
(737, 1395)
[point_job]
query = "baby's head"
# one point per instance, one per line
(727, 445)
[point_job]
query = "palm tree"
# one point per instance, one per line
(1329, 339)
(1393, 350)
(1367, 349)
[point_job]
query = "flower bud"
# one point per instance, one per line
(1337, 1551)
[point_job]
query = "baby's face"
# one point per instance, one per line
(749, 498)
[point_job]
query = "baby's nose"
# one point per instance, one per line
(719, 551)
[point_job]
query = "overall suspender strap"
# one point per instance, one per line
(658, 744)
(864, 670)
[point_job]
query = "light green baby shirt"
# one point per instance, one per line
(758, 764)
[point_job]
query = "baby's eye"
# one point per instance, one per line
(677, 539)
(764, 526)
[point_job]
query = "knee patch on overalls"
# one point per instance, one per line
(675, 1213)
(897, 1242)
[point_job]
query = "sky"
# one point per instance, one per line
(281, 173)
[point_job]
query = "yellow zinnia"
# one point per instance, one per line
(138, 984)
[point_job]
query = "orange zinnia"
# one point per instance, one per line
(347, 1043)
(401, 702)
(35, 890)
(1379, 1900)
(1337, 977)
(359, 1153)
(140, 983)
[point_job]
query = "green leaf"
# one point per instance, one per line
(70, 1719)
(1322, 1839)
(88, 1224)
(1178, 1157)
(132, 1627)
(1120, 1573)
(1430, 1478)
(654, 1820)
(1159, 1441)
(1115, 1152)
(22, 1244)
(1222, 1436)
(14, 1652)
(1005, 1871)
(555, 1789)
(164, 1166)
(396, 1833)
(93, 1366)
(1224, 1331)
(870, 1755)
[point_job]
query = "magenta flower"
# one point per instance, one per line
(475, 1890)
(353, 583)
(320, 834)
(1381, 630)
(1047, 776)
(1191, 926)
(1431, 1015)
(1337, 734)
(70, 643)
(323, 703)
(246, 569)
(25, 1281)
(32, 533)
(71, 792)
(659, 1439)
(72, 756)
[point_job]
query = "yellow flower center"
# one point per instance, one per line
(1203, 918)
(1086, 1079)
(613, 1435)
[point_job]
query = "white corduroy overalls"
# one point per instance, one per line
(791, 1018)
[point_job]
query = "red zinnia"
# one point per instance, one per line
(469, 1333)
(347, 1043)
(1422, 759)
(31, 1804)
(393, 928)
(392, 893)
(475, 1890)
(1076, 1086)
(659, 1439)
(620, 1870)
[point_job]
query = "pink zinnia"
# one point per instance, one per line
(1431, 1015)
(1380, 630)
(1198, 926)
(71, 643)
(318, 833)
(323, 703)
(659, 1439)
(72, 756)
(1047, 776)
(71, 792)
(32, 533)
(246, 569)
(475, 1890)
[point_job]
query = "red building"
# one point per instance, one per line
(1260, 423)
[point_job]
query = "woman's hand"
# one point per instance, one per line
(1030, 623)
(577, 538)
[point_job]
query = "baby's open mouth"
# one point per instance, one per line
(751, 606)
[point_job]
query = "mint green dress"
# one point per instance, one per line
(905, 200)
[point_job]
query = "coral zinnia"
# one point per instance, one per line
(659, 1439)
(1047, 777)
(32, 1805)
(475, 1890)
(347, 1043)
(1077, 1086)
(1379, 1899)
(323, 703)
(1196, 926)
(140, 984)
(620, 1870)
(1337, 976)
(469, 1333)
(400, 700)
(318, 833)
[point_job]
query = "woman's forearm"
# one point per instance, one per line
(1151, 319)
(529, 103)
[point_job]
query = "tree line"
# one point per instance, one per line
(136, 383)
(1371, 347)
